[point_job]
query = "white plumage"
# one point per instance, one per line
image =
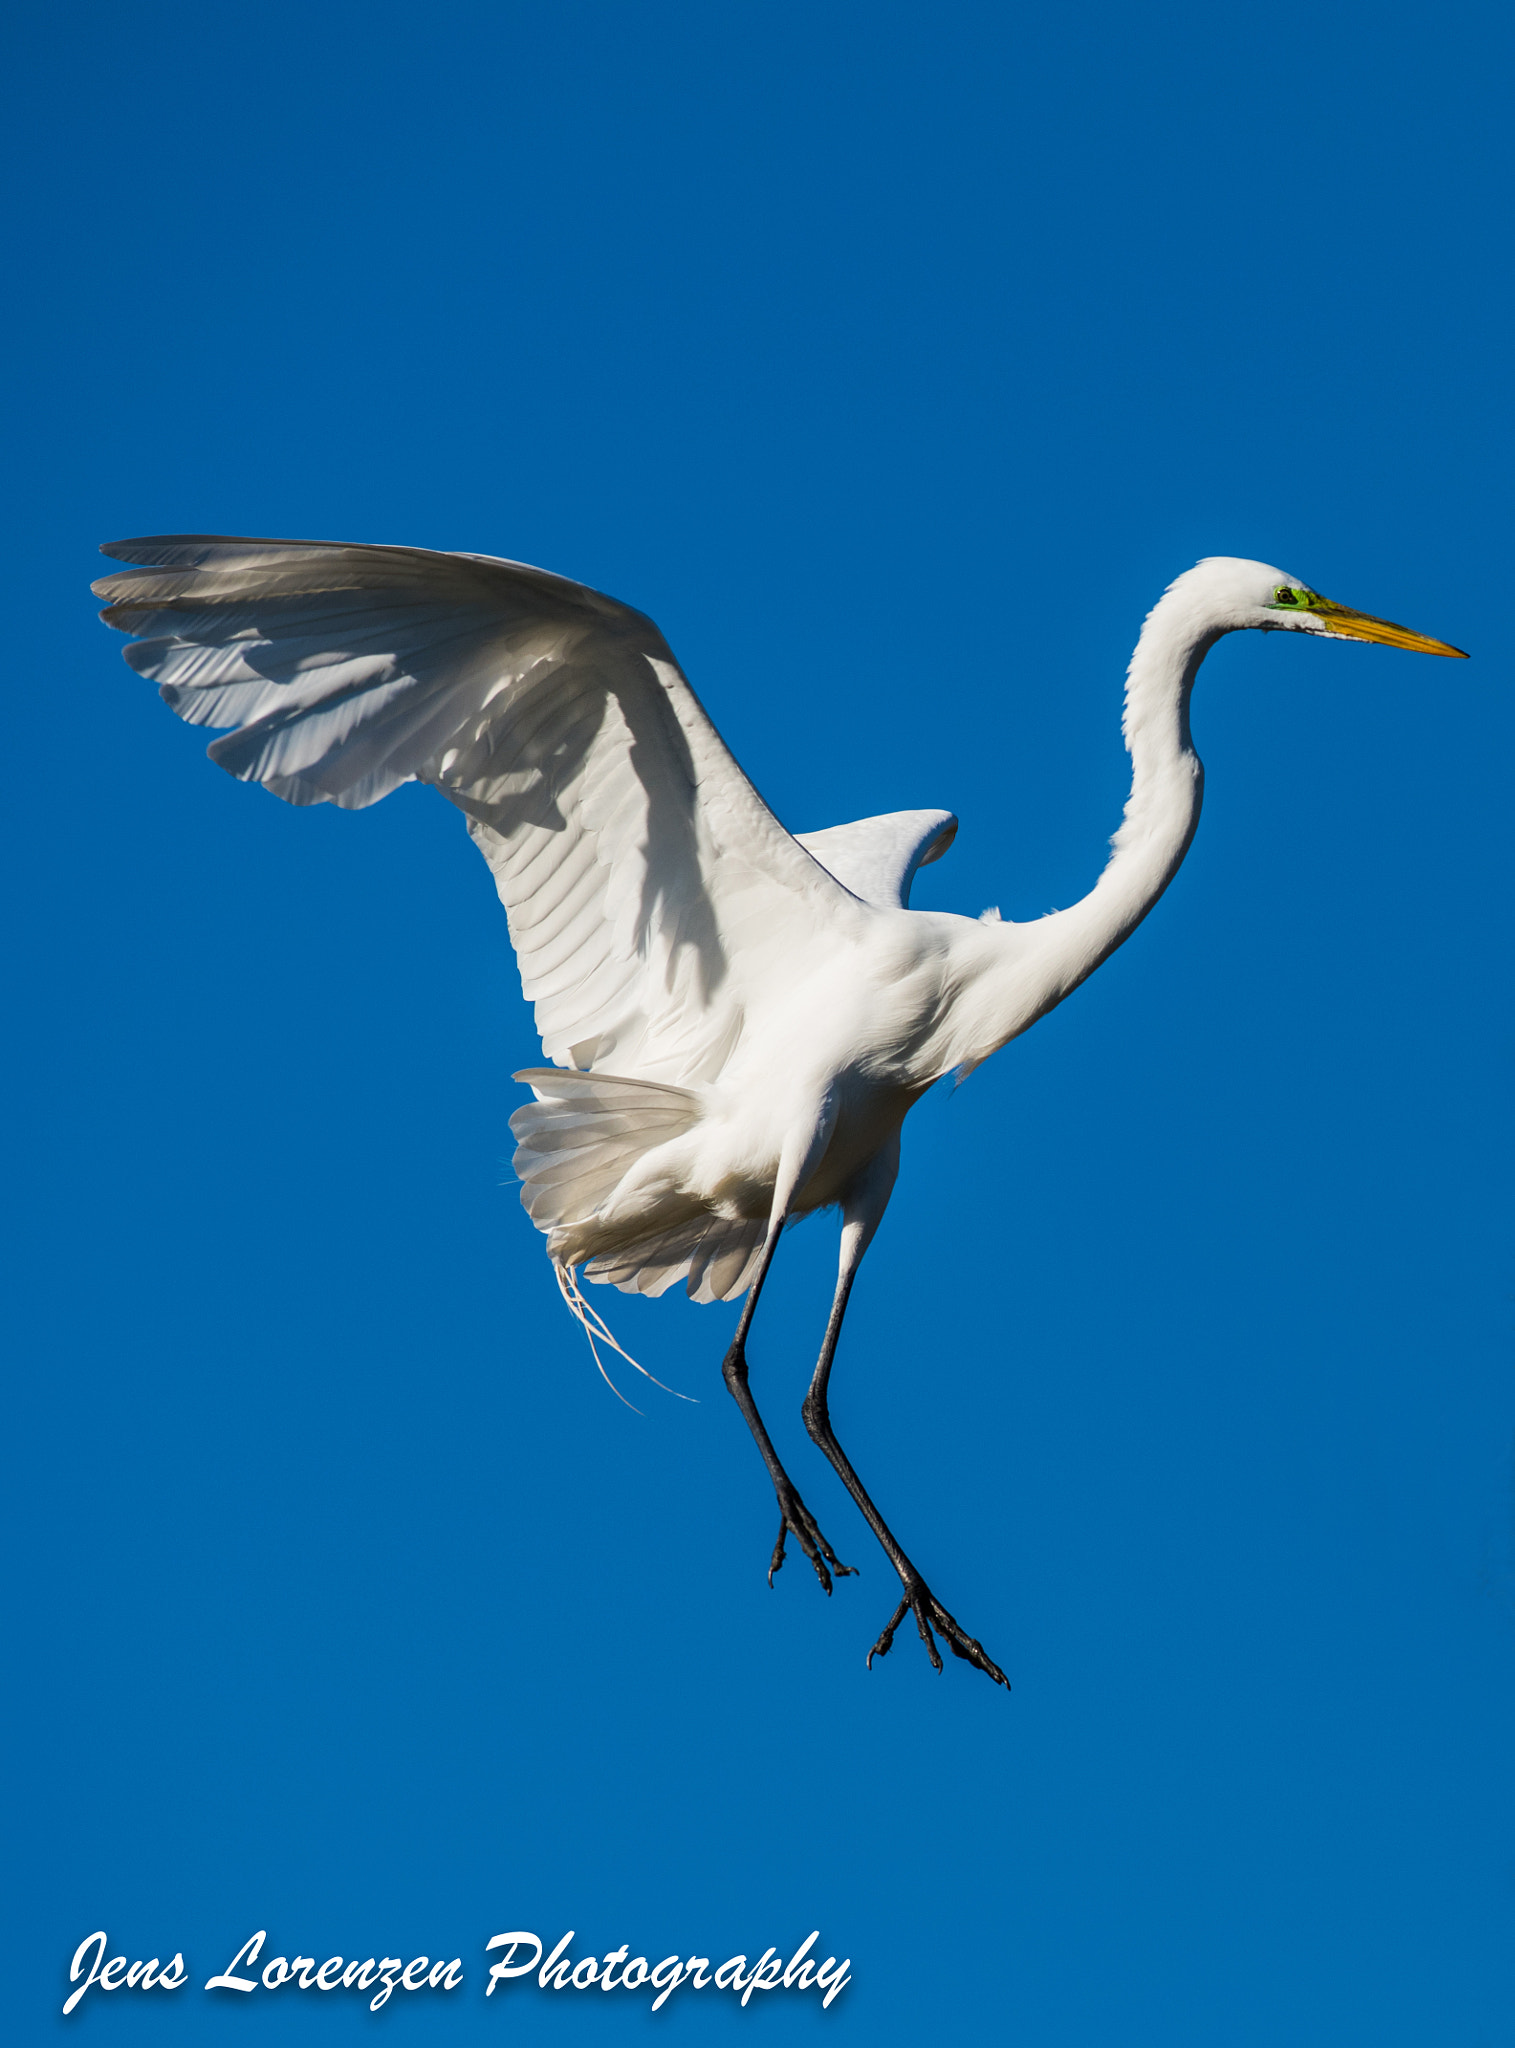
(739, 1018)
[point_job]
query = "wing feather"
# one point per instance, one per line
(648, 887)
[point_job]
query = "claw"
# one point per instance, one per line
(923, 1603)
(885, 1642)
(776, 1562)
(794, 1515)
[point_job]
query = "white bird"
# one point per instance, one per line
(739, 1017)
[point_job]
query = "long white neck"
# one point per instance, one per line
(1026, 970)
(1167, 787)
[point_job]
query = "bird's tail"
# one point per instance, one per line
(584, 1132)
(576, 1144)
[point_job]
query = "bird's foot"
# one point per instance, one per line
(930, 1614)
(795, 1516)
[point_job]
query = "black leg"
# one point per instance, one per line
(794, 1516)
(918, 1597)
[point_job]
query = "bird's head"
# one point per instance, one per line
(1233, 595)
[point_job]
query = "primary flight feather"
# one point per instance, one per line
(739, 1018)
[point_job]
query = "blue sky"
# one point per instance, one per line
(893, 361)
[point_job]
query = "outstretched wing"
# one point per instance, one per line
(649, 888)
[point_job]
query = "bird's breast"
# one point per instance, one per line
(843, 1051)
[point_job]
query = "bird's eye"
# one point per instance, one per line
(1284, 595)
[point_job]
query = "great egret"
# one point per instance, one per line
(739, 1017)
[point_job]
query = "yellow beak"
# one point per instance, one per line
(1342, 623)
